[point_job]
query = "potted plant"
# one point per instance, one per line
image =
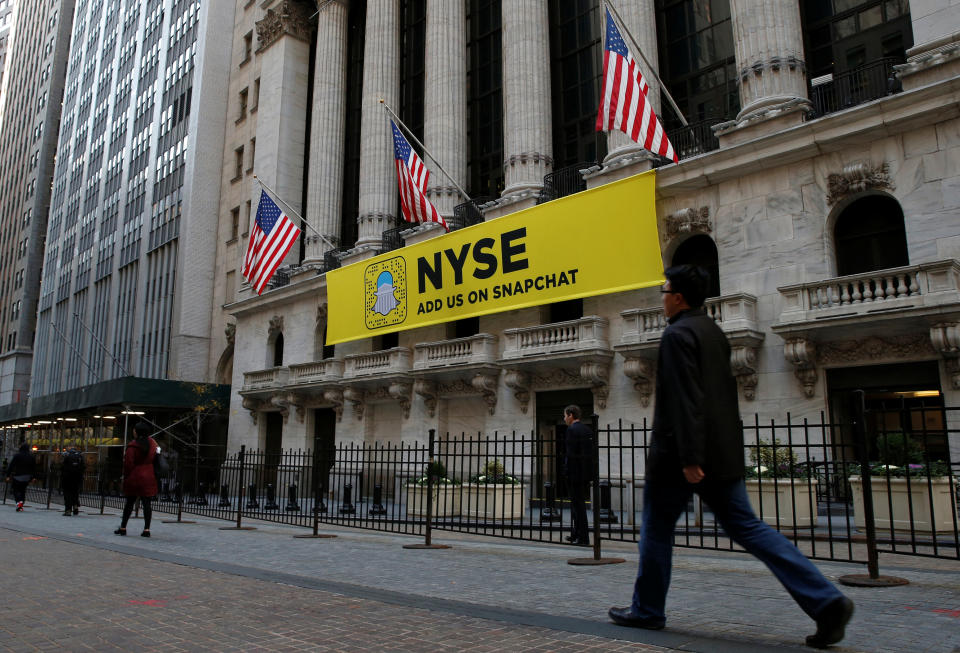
(907, 490)
(493, 494)
(446, 498)
(780, 490)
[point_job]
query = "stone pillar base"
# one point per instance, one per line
(763, 123)
(931, 62)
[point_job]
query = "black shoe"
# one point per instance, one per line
(66, 513)
(120, 531)
(145, 534)
(76, 511)
(582, 543)
(570, 538)
(831, 623)
(624, 617)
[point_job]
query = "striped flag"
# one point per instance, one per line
(412, 176)
(624, 104)
(272, 236)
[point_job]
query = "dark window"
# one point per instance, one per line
(468, 326)
(869, 235)
(697, 61)
(351, 151)
(485, 88)
(701, 250)
(413, 15)
(278, 350)
(386, 341)
(576, 66)
(571, 309)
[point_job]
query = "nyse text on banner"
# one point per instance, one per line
(599, 241)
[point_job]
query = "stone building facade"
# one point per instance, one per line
(826, 212)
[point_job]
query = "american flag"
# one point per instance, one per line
(624, 104)
(272, 236)
(412, 176)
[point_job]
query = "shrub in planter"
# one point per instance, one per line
(446, 494)
(779, 489)
(493, 494)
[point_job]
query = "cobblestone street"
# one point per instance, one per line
(196, 587)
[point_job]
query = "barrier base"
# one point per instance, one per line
(589, 562)
(864, 580)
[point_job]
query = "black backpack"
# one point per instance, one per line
(73, 462)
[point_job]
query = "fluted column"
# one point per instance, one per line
(325, 184)
(640, 18)
(381, 79)
(768, 43)
(528, 143)
(445, 97)
(284, 51)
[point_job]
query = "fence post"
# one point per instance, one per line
(549, 512)
(873, 577)
(178, 497)
(427, 544)
(595, 506)
(240, 459)
(317, 502)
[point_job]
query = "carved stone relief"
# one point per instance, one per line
(252, 405)
(688, 221)
(276, 325)
(857, 178)
(428, 391)
(486, 385)
(355, 396)
(643, 372)
(287, 17)
(801, 353)
(743, 363)
(231, 333)
(519, 382)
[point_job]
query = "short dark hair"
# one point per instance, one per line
(573, 410)
(142, 428)
(691, 281)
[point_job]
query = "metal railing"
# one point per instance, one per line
(802, 478)
(468, 213)
(868, 82)
(693, 139)
(391, 239)
(563, 181)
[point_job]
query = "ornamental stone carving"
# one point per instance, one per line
(486, 385)
(688, 221)
(321, 314)
(428, 391)
(287, 18)
(945, 337)
(231, 332)
(643, 372)
(357, 397)
(252, 405)
(857, 178)
(519, 382)
(801, 353)
(298, 403)
(596, 374)
(281, 403)
(401, 391)
(334, 397)
(874, 348)
(276, 325)
(743, 363)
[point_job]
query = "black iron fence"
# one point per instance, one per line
(693, 139)
(868, 82)
(563, 181)
(840, 491)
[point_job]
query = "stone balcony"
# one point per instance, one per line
(871, 316)
(736, 314)
(458, 367)
(378, 376)
(569, 354)
(264, 391)
(316, 384)
(317, 372)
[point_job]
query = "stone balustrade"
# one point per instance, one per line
(734, 313)
(478, 349)
(376, 363)
(322, 371)
(575, 335)
(271, 378)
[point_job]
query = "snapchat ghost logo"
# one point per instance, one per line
(385, 293)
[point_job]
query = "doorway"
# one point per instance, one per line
(272, 442)
(550, 435)
(324, 447)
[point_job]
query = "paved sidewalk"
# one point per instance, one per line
(718, 601)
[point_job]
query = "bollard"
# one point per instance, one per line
(549, 511)
(292, 505)
(377, 507)
(606, 515)
(252, 503)
(165, 484)
(200, 498)
(346, 504)
(224, 496)
(271, 503)
(319, 506)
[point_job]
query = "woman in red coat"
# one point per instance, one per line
(139, 480)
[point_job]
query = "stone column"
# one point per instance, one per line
(641, 19)
(445, 97)
(284, 50)
(381, 79)
(325, 184)
(527, 119)
(768, 43)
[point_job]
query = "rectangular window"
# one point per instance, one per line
(246, 225)
(243, 104)
(234, 223)
(238, 163)
(247, 47)
(253, 153)
(256, 95)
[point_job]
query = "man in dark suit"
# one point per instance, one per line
(698, 447)
(578, 443)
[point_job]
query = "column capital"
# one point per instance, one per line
(288, 17)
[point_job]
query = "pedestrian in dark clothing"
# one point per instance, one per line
(697, 447)
(71, 478)
(139, 480)
(20, 472)
(578, 443)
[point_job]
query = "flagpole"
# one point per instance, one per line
(425, 150)
(636, 47)
(294, 211)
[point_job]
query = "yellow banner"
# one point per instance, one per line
(599, 241)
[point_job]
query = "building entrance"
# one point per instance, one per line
(324, 447)
(551, 431)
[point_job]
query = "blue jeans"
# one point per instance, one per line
(663, 503)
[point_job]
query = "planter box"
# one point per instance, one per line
(796, 500)
(927, 517)
(492, 501)
(446, 500)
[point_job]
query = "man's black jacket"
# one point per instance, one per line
(579, 449)
(696, 420)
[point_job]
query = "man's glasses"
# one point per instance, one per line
(668, 292)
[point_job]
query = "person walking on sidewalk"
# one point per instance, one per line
(578, 443)
(697, 447)
(71, 478)
(19, 473)
(139, 480)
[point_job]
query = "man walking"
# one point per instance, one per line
(71, 480)
(578, 443)
(698, 447)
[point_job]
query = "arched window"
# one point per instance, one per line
(869, 235)
(701, 250)
(321, 350)
(278, 350)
